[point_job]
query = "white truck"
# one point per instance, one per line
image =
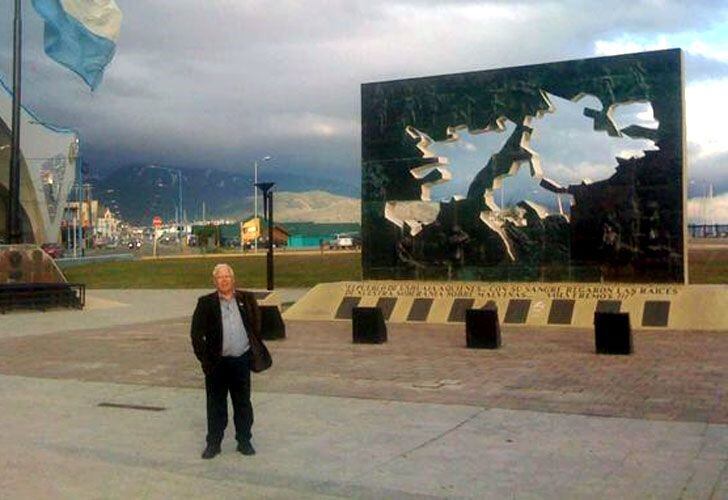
(343, 242)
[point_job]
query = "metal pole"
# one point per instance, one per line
(179, 179)
(270, 239)
(255, 198)
(75, 235)
(154, 242)
(13, 220)
(91, 218)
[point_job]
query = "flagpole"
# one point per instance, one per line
(13, 219)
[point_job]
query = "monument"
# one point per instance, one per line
(550, 192)
(627, 225)
(48, 167)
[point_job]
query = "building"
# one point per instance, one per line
(230, 235)
(253, 227)
(107, 226)
(312, 234)
(47, 172)
(83, 216)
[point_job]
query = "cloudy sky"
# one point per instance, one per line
(220, 83)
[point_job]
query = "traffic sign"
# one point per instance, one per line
(157, 221)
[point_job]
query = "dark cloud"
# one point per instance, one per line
(703, 171)
(219, 83)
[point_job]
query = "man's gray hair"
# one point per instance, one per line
(219, 267)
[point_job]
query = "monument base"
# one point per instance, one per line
(30, 279)
(650, 306)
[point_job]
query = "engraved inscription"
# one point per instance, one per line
(508, 291)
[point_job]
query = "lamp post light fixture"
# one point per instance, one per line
(255, 197)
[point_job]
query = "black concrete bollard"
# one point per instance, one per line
(612, 333)
(272, 326)
(368, 325)
(482, 329)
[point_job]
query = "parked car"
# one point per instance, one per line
(344, 241)
(53, 249)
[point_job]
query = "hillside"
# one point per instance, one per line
(311, 206)
(141, 192)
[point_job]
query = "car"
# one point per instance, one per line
(344, 241)
(53, 249)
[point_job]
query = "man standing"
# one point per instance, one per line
(222, 326)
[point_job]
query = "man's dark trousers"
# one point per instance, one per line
(229, 375)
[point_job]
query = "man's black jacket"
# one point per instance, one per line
(206, 331)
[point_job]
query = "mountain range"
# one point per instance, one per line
(140, 192)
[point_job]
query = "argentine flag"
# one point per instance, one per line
(81, 34)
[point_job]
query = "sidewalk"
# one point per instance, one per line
(109, 308)
(58, 443)
(417, 417)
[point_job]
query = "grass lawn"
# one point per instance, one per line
(195, 272)
(707, 266)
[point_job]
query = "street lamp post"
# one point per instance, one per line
(255, 197)
(174, 172)
(178, 173)
(267, 189)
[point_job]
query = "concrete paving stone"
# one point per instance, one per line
(349, 437)
(567, 433)
(329, 446)
(34, 473)
(419, 416)
(705, 475)
(463, 465)
(320, 359)
(581, 452)
(720, 488)
(716, 443)
(106, 308)
(674, 476)
(40, 391)
(309, 440)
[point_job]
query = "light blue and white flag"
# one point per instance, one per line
(81, 34)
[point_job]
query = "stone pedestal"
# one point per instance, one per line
(612, 333)
(272, 323)
(368, 326)
(482, 330)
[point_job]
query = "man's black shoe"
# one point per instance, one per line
(210, 451)
(246, 448)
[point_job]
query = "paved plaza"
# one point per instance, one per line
(108, 402)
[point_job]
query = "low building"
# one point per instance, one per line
(84, 217)
(107, 226)
(257, 227)
(313, 234)
(229, 234)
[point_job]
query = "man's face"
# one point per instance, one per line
(224, 282)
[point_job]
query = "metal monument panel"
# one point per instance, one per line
(468, 177)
